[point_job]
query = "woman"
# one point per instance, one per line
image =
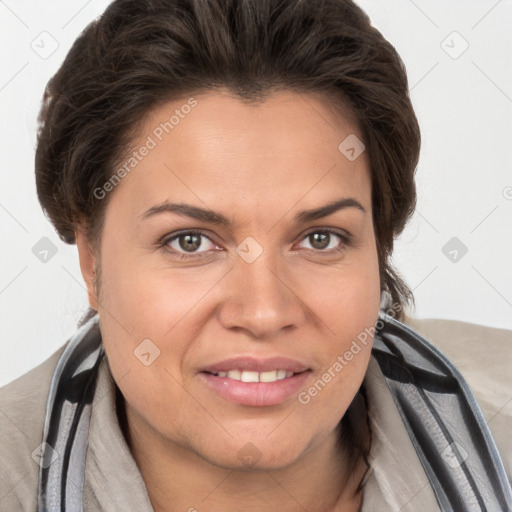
(234, 174)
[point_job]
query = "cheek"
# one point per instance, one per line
(347, 304)
(146, 294)
(150, 315)
(345, 360)
(347, 296)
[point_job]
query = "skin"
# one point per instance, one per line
(258, 166)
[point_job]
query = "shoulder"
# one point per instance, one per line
(22, 409)
(483, 355)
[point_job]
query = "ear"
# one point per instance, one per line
(87, 266)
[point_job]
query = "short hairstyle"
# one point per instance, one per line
(142, 53)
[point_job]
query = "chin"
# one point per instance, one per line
(258, 455)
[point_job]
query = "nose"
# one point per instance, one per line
(260, 299)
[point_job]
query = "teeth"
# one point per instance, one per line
(268, 376)
(247, 376)
(250, 377)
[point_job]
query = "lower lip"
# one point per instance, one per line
(258, 394)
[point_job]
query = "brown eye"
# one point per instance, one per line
(319, 240)
(189, 242)
(326, 240)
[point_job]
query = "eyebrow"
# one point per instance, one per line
(212, 217)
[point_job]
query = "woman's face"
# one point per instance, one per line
(241, 277)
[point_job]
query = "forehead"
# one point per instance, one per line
(213, 147)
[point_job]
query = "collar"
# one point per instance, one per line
(112, 477)
(396, 479)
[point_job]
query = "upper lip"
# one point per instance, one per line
(253, 364)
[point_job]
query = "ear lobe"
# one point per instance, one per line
(87, 266)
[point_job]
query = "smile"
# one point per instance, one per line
(248, 376)
(255, 382)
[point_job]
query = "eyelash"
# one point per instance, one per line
(164, 243)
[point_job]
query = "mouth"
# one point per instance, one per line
(250, 376)
(253, 382)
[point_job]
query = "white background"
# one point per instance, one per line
(464, 178)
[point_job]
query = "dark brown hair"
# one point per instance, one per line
(141, 53)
